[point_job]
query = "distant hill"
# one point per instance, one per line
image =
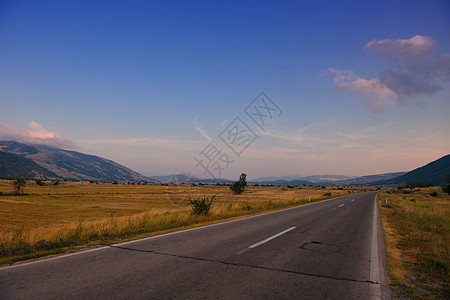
(434, 173)
(326, 178)
(367, 180)
(69, 165)
(188, 178)
(329, 180)
(15, 166)
(175, 178)
(310, 179)
(283, 182)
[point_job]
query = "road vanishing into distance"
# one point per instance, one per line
(331, 249)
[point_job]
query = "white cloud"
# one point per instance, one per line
(415, 68)
(35, 135)
(378, 93)
(199, 128)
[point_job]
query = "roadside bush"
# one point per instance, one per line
(446, 188)
(201, 206)
(239, 186)
(434, 194)
(39, 182)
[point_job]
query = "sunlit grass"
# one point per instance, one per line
(77, 213)
(417, 233)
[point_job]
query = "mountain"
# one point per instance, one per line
(310, 179)
(176, 178)
(367, 180)
(283, 182)
(71, 165)
(16, 166)
(326, 178)
(286, 178)
(435, 173)
(189, 178)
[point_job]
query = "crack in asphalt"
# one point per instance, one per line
(244, 265)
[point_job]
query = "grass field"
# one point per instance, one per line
(416, 227)
(53, 218)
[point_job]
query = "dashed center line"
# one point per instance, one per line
(271, 238)
(341, 205)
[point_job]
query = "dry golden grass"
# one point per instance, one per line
(74, 213)
(417, 235)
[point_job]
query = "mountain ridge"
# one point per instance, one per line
(16, 166)
(72, 165)
(436, 172)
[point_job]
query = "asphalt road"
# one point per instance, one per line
(327, 250)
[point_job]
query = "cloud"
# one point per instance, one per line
(415, 67)
(35, 135)
(163, 143)
(200, 129)
(294, 138)
(373, 89)
(417, 47)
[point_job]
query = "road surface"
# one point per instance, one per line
(325, 250)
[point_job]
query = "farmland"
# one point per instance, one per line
(57, 217)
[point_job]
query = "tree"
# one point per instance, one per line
(39, 182)
(239, 186)
(446, 187)
(19, 184)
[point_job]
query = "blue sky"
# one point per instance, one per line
(364, 88)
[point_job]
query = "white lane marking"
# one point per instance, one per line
(375, 289)
(271, 238)
(53, 258)
(42, 260)
(353, 200)
(337, 207)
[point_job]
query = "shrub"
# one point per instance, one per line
(201, 206)
(39, 182)
(446, 188)
(19, 184)
(434, 194)
(327, 194)
(239, 186)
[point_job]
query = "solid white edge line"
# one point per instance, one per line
(271, 238)
(375, 288)
(163, 235)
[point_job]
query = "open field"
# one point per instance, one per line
(54, 217)
(416, 228)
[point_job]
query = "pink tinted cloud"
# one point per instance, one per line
(415, 68)
(416, 47)
(373, 89)
(36, 134)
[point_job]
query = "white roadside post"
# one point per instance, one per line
(386, 201)
(309, 197)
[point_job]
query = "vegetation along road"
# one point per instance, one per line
(328, 249)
